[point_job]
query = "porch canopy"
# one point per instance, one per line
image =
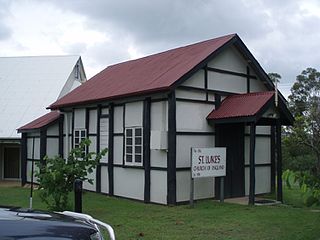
(258, 108)
(254, 109)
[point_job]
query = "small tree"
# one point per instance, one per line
(57, 176)
(304, 103)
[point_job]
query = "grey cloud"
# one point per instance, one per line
(174, 22)
(276, 31)
(5, 31)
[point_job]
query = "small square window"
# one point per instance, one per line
(137, 149)
(137, 158)
(129, 141)
(138, 140)
(138, 131)
(129, 158)
(129, 132)
(129, 149)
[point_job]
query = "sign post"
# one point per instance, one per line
(207, 162)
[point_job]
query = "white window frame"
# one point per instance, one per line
(134, 146)
(80, 137)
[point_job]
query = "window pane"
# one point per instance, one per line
(138, 131)
(138, 140)
(83, 134)
(129, 149)
(129, 132)
(129, 141)
(138, 149)
(129, 158)
(76, 133)
(137, 158)
(76, 140)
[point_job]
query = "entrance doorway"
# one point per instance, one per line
(11, 162)
(231, 136)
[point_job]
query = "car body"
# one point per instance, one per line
(26, 224)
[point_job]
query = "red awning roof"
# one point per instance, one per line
(241, 105)
(145, 75)
(41, 121)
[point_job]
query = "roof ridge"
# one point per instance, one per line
(39, 56)
(173, 49)
(253, 93)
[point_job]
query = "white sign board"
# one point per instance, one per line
(208, 162)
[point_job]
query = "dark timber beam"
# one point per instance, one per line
(24, 148)
(110, 148)
(252, 163)
(98, 171)
(43, 145)
(171, 157)
(279, 161)
(61, 121)
(146, 147)
(248, 79)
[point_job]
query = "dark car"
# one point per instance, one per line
(25, 224)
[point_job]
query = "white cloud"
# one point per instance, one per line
(283, 35)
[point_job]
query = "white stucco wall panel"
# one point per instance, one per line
(192, 117)
(118, 149)
(229, 59)
(87, 185)
(29, 171)
(158, 158)
(52, 147)
(184, 144)
(256, 85)
(203, 187)
(227, 82)
(104, 179)
(53, 130)
(159, 116)
(191, 94)
(158, 189)
(79, 118)
(129, 183)
(262, 150)
(263, 130)
(196, 80)
(263, 180)
(105, 110)
(93, 145)
(93, 121)
(134, 113)
(118, 119)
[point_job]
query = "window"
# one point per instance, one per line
(79, 135)
(133, 146)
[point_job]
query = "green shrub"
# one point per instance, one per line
(309, 184)
(56, 177)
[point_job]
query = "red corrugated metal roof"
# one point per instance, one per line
(41, 121)
(145, 75)
(241, 105)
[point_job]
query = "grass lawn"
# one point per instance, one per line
(208, 220)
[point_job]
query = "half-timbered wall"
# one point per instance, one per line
(41, 143)
(262, 160)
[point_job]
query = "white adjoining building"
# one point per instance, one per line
(149, 112)
(27, 86)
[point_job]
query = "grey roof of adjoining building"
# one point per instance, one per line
(29, 84)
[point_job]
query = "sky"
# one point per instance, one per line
(283, 35)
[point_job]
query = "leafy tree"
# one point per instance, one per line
(305, 105)
(275, 77)
(304, 137)
(57, 176)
